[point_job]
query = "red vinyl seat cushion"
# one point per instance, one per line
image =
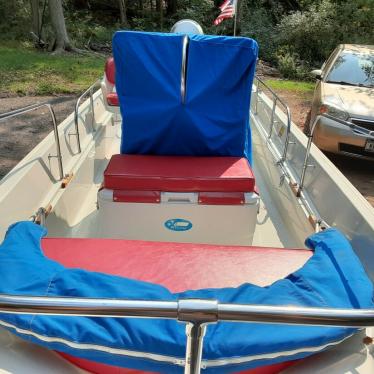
(110, 70)
(177, 266)
(112, 99)
(179, 174)
(171, 264)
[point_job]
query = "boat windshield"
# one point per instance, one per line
(353, 69)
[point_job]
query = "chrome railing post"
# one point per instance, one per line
(76, 112)
(287, 140)
(275, 99)
(257, 92)
(197, 313)
(57, 140)
(76, 125)
(195, 332)
(93, 123)
(306, 158)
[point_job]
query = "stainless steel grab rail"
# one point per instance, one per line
(276, 99)
(29, 108)
(361, 130)
(314, 217)
(196, 313)
(76, 112)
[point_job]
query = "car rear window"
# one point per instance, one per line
(353, 69)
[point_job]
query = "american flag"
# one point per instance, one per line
(228, 8)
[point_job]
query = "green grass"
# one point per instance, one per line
(300, 87)
(26, 71)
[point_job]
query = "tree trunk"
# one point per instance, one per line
(237, 22)
(35, 17)
(56, 12)
(171, 7)
(123, 13)
(160, 10)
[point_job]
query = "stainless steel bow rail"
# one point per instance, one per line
(196, 313)
(30, 108)
(90, 92)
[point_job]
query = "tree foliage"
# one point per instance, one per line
(295, 34)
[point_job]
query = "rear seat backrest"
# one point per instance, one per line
(210, 119)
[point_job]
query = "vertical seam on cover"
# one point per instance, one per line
(46, 294)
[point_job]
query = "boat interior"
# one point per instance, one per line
(129, 190)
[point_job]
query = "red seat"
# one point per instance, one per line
(110, 70)
(177, 266)
(179, 174)
(171, 264)
(109, 83)
(112, 99)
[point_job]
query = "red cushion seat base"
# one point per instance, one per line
(179, 174)
(171, 264)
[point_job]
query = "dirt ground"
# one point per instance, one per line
(18, 136)
(359, 172)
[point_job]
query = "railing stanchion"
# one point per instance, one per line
(57, 140)
(76, 125)
(92, 109)
(275, 99)
(76, 111)
(287, 141)
(306, 158)
(195, 332)
(257, 92)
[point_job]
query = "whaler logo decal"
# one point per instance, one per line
(178, 224)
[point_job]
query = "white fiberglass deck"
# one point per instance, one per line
(76, 214)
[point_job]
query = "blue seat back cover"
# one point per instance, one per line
(332, 277)
(213, 120)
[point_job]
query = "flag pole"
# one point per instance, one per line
(235, 15)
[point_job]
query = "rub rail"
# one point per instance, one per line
(30, 108)
(196, 313)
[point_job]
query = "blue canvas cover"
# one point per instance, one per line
(213, 118)
(332, 277)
